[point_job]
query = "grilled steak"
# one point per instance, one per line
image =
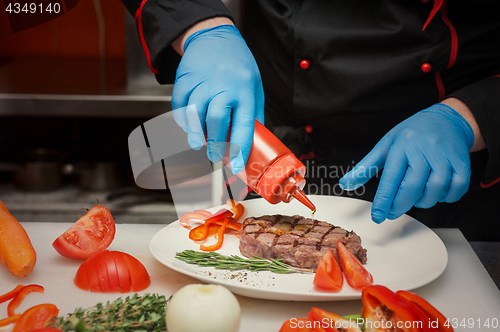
(299, 241)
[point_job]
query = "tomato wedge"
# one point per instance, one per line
(112, 271)
(328, 274)
(432, 313)
(355, 273)
(91, 234)
(36, 317)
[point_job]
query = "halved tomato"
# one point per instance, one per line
(91, 234)
(112, 271)
(328, 274)
(355, 273)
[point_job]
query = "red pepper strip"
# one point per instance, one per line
(297, 325)
(219, 216)
(237, 208)
(47, 329)
(436, 317)
(220, 238)
(9, 320)
(36, 317)
(331, 322)
(10, 295)
(380, 303)
(197, 232)
(20, 297)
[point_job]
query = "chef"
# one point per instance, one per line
(393, 101)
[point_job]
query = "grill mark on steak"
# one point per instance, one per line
(320, 243)
(297, 240)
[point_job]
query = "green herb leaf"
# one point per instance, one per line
(234, 262)
(146, 313)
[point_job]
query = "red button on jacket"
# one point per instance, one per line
(304, 64)
(426, 67)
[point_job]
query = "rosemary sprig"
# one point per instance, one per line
(234, 262)
(146, 313)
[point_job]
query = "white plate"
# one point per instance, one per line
(402, 253)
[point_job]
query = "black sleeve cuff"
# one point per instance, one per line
(483, 98)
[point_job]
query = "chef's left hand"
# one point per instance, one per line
(425, 160)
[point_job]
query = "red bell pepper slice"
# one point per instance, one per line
(328, 274)
(438, 320)
(382, 308)
(36, 317)
(197, 232)
(220, 238)
(331, 322)
(217, 217)
(10, 295)
(355, 273)
(297, 325)
(237, 208)
(18, 299)
(9, 320)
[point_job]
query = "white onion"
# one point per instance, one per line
(203, 308)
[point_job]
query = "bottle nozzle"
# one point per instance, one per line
(301, 197)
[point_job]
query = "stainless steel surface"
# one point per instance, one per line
(127, 204)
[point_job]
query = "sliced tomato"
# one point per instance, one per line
(328, 274)
(112, 271)
(91, 234)
(113, 276)
(122, 271)
(36, 317)
(139, 277)
(355, 273)
(430, 311)
(297, 325)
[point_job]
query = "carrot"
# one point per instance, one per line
(16, 251)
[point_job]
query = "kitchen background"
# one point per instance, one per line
(71, 91)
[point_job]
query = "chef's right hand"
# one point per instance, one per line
(218, 74)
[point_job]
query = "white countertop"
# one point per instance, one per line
(463, 291)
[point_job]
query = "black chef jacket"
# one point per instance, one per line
(349, 71)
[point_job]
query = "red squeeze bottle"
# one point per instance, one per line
(273, 171)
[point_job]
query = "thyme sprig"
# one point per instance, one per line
(234, 262)
(146, 313)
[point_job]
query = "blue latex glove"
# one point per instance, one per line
(425, 160)
(218, 74)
